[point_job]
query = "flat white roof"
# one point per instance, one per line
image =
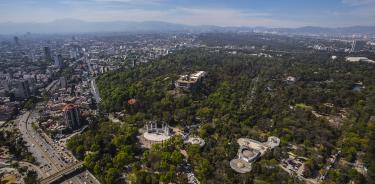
(198, 74)
(356, 58)
(196, 140)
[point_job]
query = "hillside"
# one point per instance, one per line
(242, 96)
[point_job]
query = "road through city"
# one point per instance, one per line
(51, 156)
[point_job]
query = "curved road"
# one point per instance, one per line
(35, 168)
(51, 156)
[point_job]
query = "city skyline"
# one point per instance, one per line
(161, 91)
(285, 13)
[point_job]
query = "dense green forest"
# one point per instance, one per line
(242, 96)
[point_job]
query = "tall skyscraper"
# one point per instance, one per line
(23, 90)
(72, 116)
(16, 40)
(63, 82)
(47, 54)
(59, 63)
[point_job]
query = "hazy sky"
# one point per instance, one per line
(275, 13)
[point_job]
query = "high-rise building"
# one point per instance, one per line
(75, 52)
(16, 40)
(59, 61)
(72, 116)
(63, 82)
(23, 90)
(47, 54)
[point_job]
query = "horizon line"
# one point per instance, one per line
(184, 24)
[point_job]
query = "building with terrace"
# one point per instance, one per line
(190, 82)
(195, 140)
(251, 150)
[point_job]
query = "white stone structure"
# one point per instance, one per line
(250, 150)
(155, 134)
(188, 82)
(359, 59)
(248, 154)
(240, 166)
(272, 142)
(196, 140)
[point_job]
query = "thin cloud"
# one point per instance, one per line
(358, 2)
(352, 12)
(361, 12)
(228, 17)
(150, 2)
(190, 16)
(127, 1)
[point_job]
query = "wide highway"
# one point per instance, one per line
(52, 156)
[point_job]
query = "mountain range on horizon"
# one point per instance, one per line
(79, 26)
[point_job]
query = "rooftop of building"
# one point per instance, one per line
(358, 59)
(68, 107)
(196, 140)
(192, 78)
(249, 151)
